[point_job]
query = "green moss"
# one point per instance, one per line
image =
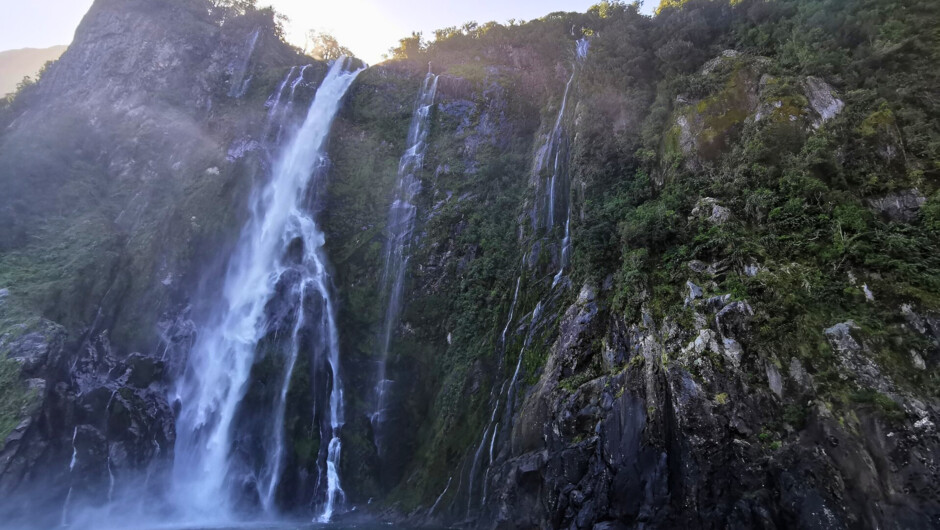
(473, 71)
(877, 122)
(16, 399)
(882, 403)
(575, 381)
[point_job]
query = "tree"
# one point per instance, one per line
(237, 6)
(325, 47)
(409, 47)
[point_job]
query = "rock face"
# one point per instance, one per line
(704, 129)
(648, 442)
(146, 102)
(903, 206)
(96, 423)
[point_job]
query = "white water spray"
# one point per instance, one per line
(217, 374)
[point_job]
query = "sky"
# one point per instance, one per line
(367, 27)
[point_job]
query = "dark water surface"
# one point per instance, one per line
(287, 525)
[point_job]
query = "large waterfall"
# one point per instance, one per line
(401, 219)
(277, 262)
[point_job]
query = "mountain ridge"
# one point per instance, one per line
(24, 62)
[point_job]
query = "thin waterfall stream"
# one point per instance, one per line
(555, 149)
(401, 220)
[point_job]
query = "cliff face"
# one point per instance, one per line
(678, 271)
(126, 169)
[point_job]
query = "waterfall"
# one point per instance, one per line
(270, 480)
(239, 82)
(565, 249)
(512, 309)
(280, 244)
(68, 497)
(401, 220)
(440, 497)
(581, 52)
(274, 104)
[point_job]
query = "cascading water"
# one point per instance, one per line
(512, 309)
(280, 246)
(510, 396)
(581, 52)
(554, 149)
(401, 219)
(240, 83)
(68, 498)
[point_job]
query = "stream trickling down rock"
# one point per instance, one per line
(401, 220)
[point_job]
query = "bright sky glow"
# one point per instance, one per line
(367, 27)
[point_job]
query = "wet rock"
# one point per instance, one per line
(717, 303)
(734, 320)
(295, 251)
(698, 266)
(99, 406)
(695, 292)
(705, 341)
(177, 335)
(918, 361)
(799, 375)
(855, 358)
(733, 351)
(841, 339)
(822, 100)
(903, 206)
(774, 379)
(751, 270)
(35, 350)
(927, 325)
(609, 525)
(586, 295)
(711, 211)
(615, 352)
(142, 370)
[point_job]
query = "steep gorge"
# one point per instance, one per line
(597, 270)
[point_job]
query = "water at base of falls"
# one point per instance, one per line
(278, 255)
(364, 524)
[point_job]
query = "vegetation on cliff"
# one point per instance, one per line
(778, 158)
(789, 146)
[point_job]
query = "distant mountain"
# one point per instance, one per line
(17, 64)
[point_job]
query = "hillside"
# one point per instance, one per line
(17, 64)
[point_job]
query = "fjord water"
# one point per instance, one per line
(280, 249)
(401, 220)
